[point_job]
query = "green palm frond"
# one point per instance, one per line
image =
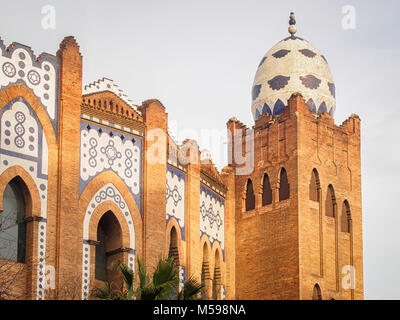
(142, 273)
(128, 277)
(104, 293)
(165, 277)
(191, 290)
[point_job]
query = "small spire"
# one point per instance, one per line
(292, 24)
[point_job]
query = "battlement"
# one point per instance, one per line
(106, 84)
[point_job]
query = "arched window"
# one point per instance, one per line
(330, 202)
(284, 190)
(266, 191)
(346, 217)
(174, 254)
(108, 248)
(12, 223)
(110, 105)
(205, 272)
(317, 295)
(217, 277)
(314, 186)
(250, 197)
(173, 247)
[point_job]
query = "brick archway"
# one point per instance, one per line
(35, 259)
(94, 204)
(19, 90)
(173, 223)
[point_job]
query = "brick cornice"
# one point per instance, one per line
(113, 117)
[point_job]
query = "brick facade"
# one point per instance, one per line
(106, 157)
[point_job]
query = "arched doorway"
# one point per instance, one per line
(109, 237)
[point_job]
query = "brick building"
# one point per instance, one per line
(87, 177)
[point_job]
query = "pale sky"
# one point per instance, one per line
(199, 59)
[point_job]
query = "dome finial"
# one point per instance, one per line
(292, 24)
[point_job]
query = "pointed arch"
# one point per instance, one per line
(104, 178)
(330, 204)
(13, 221)
(18, 90)
(176, 246)
(33, 212)
(317, 294)
(113, 195)
(31, 191)
(346, 217)
(284, 187)
(205, 267)
(173, 251)
(108, 248)
(315, 186)
(250, 199)
(266, 191)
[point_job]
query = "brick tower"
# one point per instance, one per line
(297, 211)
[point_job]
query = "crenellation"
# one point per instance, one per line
(105, 180)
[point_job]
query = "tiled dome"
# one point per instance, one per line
(293, 65)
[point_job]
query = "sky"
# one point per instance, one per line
(199, 58)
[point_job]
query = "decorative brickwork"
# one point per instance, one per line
(103, 180)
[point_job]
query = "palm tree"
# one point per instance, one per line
(105, 293)
(160, 286)
(191, 290)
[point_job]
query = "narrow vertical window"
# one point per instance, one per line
(266, 191)
(250, 197)
(173, 247)
(346, 217)
(314, 186)
(284, 190)
(217, 277)
(205, 272)
(174, 254)
(330, 202)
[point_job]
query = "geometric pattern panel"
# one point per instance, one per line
(212, 217)
(20, 65)
(104, 149)
(175, 195)
(23, 143)
(107, 192)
